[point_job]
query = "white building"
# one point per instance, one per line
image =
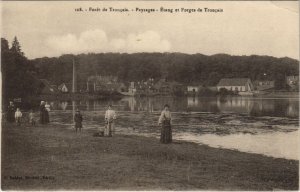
(63, 88)
(239, 85)
(193, 88)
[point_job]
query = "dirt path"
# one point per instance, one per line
(52, 157)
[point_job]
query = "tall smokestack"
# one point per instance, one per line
(74, 87)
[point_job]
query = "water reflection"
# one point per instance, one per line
(283, 107)
(286, 145)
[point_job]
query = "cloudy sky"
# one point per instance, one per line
(243, 28)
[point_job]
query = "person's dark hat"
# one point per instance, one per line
(166, 105)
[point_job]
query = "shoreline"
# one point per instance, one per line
(53, 157)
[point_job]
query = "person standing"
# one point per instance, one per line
(42, 112)
(78, 120)
(18, 116)
(47, 110)
(165, 122)
(31, 118)
(11, 112)
(110, 117)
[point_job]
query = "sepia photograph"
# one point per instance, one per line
(150, 95)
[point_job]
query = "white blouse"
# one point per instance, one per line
(164, 115)
(110, 114)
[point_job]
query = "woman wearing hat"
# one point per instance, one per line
(165, 122)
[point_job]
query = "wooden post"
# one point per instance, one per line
(74, 84)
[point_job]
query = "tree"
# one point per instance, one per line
(17, 78)
(4, 45)
(16, 47)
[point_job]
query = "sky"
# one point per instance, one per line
(54, 28)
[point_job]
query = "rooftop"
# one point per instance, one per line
(233, 81)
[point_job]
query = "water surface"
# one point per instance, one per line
(266, 126)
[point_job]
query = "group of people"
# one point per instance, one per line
(15, 115)
(110, 116)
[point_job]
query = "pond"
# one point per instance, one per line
(247, 124)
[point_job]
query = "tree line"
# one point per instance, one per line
(183, 68)
(20, 75)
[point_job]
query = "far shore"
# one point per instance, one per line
(116, 95)
(54, 157)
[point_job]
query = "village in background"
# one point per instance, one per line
(113, 75)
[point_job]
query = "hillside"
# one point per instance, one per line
(184, 68)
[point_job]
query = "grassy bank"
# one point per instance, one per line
(54, 157)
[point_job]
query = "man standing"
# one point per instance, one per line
(110, 117)
(18, 116)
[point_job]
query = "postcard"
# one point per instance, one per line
(150, 95)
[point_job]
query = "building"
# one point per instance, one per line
(239, 85)
(103, 83)
(47, 88)
(263, 85)
(193, 88)
(146, 87)
(293, 82)
(63, 88)
(165, 87)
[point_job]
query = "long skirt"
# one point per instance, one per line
(78, 125)
(109, 129)
(10, 116)
(166, 132)
(46, 116)
(42, 117)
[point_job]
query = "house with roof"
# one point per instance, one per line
(47, 88)
(263, 85)
(164, 87)
(293, 82)
(104, 83)
(242, 86)
(193, 88)
(63, 88)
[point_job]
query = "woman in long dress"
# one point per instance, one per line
(11, 112)
(165, 122)
(42, 112)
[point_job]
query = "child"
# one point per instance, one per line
(78, 120)
(31, 118)
(18, 116)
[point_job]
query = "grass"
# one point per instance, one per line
(73, 161)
